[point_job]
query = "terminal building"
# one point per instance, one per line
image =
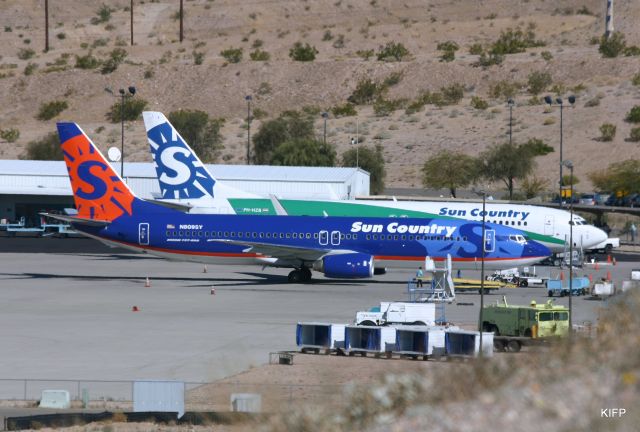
(29, 187)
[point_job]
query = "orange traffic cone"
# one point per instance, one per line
(608, 275)
(561, 276)
(147, 283)
(590, 278)
(135, 309)
(597, 267)
(609, 259)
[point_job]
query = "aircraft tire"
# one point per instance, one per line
(306, 274)
(295, 276)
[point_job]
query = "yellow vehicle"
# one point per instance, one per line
(514, 326)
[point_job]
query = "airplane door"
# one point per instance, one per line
(335, 238)
(548, 225)
(324, 238)
(143, 233)
(489, 240)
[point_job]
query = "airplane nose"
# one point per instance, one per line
(598, 235)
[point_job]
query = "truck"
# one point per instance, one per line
(514, 326)
(518, 278)
(389, 313)
(606, 247)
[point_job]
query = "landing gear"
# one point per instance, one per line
(300, 275)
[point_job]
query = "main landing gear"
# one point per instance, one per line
(300, 275)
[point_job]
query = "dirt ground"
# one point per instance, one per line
(165, 73)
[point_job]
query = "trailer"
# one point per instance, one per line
(514, 326)
(603, 289)
(420, 341)
(466, 343)
(369, 339)
(558, 287)
(316, 337)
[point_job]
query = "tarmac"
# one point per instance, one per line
(69, 315)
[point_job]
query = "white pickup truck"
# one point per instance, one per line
(389, 313)
(606, 246)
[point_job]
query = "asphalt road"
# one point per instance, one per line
(69, 316)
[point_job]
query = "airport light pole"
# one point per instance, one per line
(325, 116)
(248, 98)
(560, 103)
(122, 95)
(511, 103)
(569, 165)
(484, 249)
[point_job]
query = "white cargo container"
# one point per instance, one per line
(635, 274)
(316, 336)
(398, 313)
(630, 284)
(364, 339)
(420, 341)
(465, 343)
(603, 289)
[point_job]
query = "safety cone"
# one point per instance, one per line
(213, 291)
(147, 283)
(608, 259)
(590, 278)
(597, 267)
(608, 275)
(204, 270)
(135, 309)
(561, 276)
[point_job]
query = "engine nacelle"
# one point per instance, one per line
(350, 265)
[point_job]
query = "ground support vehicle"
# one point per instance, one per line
(515, 326)
(606, 247)
(389, 313)
(603, 289)
(558, 287)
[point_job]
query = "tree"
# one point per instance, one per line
(303, 53)
(304, 152)
(201, 132)
(509, 162)
(612, 46)
(288, 126)
(46, 148)
(618, 177)
(131, 109)
(533, 186)
(451, 170)
(539, 81)
(607, 131)
(369, 160)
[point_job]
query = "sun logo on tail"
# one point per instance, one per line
(180, 172)
(98, 191)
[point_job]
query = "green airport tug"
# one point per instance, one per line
(514, 326)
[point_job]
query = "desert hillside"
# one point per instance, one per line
(166, 72)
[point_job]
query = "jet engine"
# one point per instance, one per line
(349, 265)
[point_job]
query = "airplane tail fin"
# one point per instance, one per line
(181, 174)
(98, 191)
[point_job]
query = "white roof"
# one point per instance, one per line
(228, 172)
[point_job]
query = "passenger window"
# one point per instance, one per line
(395, 237)
(308, 235)
(288, 235)
(219, 233)
(525, 223)
(341, 236)
(226, 233)
(261, 235)
(168, 233)
(295, 235)
(233, 234)
(254, 235)
(199, 233)
(404, 237)
(187, 233)
(268, 235)
(355, 236)
(240, 234)
(315, 235)
(410, 238)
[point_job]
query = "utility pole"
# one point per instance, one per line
(46, 25)
(181, 18)
(131, 9)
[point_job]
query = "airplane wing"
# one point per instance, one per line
(76, 219)
(284, 251)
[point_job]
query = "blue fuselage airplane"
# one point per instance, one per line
(339, 247)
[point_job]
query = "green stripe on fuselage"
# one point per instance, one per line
(263, 206)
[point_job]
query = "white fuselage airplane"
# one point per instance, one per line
(185, 181)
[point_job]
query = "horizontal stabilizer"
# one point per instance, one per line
(77, 220)
(172, 205)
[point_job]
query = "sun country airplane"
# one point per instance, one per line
(184, 179)
(339, 247)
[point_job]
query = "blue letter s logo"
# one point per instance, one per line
(85, 174)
